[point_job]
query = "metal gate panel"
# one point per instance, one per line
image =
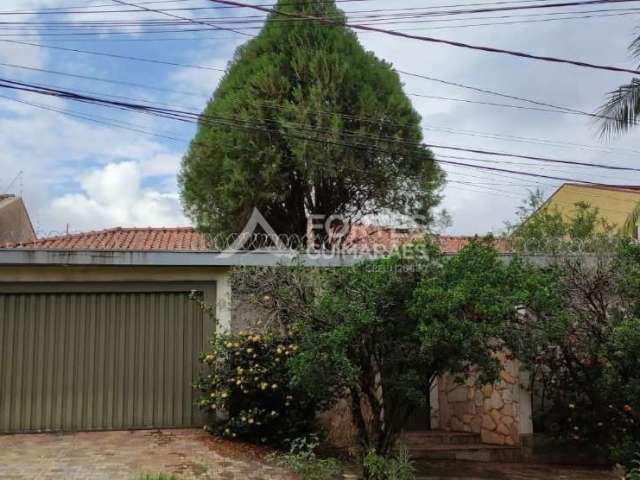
(99, 361)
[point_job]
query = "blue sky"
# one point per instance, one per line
(84, 175)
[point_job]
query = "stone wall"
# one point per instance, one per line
(500, 413)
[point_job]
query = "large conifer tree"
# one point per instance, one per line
(306, 121)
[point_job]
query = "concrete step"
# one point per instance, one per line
(467, 452)
(438, 437)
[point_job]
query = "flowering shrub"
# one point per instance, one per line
(248, 393)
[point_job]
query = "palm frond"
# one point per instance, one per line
(634, 47)
(621, 110)
(630, 227)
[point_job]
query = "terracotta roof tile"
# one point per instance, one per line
(185, 239)
(131, 239)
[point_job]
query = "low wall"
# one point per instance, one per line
(500, 413)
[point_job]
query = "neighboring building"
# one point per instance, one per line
(15, 224)
(614, 202)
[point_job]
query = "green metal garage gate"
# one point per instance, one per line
(100, 359)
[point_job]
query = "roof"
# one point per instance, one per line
(187, 239)
(125, 239)
(615, 188)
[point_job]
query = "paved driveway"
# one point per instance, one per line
(192, 454)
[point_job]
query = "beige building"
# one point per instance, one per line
(614, 202)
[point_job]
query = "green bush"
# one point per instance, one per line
(583, 354)
(248, 392)
(398, 467)
(303, 461)
(633, 472)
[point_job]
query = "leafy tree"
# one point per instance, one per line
(581, 336)
(542, 229)
(305, 121)
(379, 333)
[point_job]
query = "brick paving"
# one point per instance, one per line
(193, 454)
(189, 454)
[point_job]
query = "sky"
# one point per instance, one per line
(82, 167)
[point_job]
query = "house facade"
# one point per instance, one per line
(99, 331)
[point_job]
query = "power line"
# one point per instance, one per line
(391, 18)
(415, 12)
(550, 108)
(556, 109)
(112, 55)
(192, 117)
(472, 133)
(111, 122)
(66, 10)
(161, 12)
(498, 94)
(98, 79)
(445, 41)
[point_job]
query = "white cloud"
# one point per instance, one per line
(114, 196)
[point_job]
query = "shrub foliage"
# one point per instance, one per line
(248, 390)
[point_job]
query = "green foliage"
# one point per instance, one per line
(248, 392)
(383, 330)
(291, 99)
(466, 311)
(542, 229)
(580, 341)
(395, 467)
(634, 471)
(303, 461)
(360, 341)
(627, 454)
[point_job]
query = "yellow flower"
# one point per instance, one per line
(249, 350)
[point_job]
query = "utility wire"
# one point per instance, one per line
(412, 12)
(112, 55)
(548, 107)
(68, 9)
(161, 12)
(193, 117)
(440, 40)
